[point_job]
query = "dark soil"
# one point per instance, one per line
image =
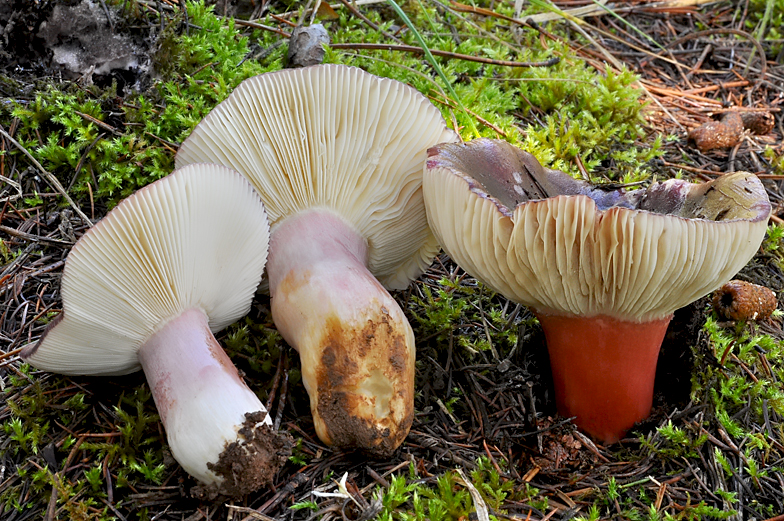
(82, 41)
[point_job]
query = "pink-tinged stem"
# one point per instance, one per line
(354, 342)
(217, 428)
(603, 369)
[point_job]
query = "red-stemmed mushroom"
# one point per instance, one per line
(337, 154)
(146, 288)
(603, 270)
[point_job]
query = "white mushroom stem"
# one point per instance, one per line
(202, 401)
(356, 345)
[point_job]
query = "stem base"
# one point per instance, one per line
(355, 343)
(603, 370)
(217, 428)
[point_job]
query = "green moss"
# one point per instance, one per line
(47, 417)
(104, 146)
(569, 109)
(446, 498)
(119, 145)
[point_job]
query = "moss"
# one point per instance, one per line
(103, 146)
(118, 145)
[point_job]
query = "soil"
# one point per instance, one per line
(248, 465)
(83, 41)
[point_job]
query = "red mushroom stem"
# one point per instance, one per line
(603, 370)
(355, 344)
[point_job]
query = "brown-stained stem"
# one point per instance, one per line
(445, 54)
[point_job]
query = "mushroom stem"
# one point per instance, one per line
(603, 370)
(217, 428)
(355, 344)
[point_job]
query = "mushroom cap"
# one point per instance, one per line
(197, 238)
(337, 138)
(561, 246)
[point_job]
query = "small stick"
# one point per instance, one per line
(11, 353)
(99, 123)
(482, 120)
(445, 54)
(275, 383)
(356, 12)
(32, 237)
(728, 85)
(282, 401)
(255, 25)
(683, 94)
(51, 178)
(591, 446)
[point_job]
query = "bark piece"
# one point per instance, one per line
(724, 133)
(741, 300)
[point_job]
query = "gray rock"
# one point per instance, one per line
(306, 46)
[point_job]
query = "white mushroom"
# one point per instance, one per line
(146, 288)
(337, 154)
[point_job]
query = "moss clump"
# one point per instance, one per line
(105, 147)
(558, 113)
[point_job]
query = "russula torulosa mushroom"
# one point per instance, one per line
(337, 154)
(146, 287)
(602, 270)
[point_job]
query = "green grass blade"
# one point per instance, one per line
(434, 64)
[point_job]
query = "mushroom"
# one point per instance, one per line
(603, 270)
(336, 154)
(146, 288)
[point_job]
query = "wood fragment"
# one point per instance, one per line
(445, 54)
(741, 300)
(725, 133)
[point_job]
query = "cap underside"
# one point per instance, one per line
(197, 238)
(563, 254)
(338, 138)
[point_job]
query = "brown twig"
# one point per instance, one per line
(32, 237)
(99, 123)
(445, 54)
(356, 12)
(254, 25)
(51, 178)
